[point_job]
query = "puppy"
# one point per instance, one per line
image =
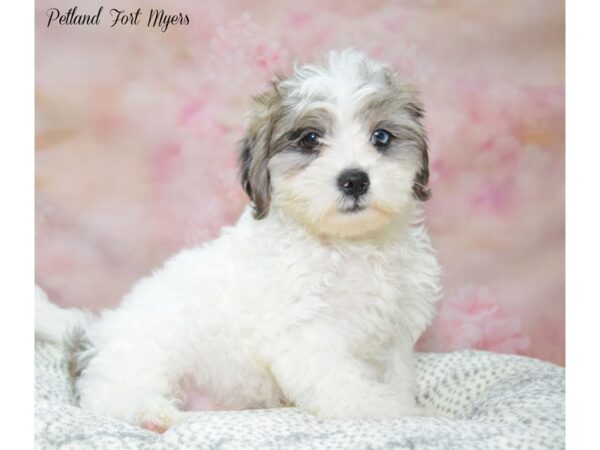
(315, 297)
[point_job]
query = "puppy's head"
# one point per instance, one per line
(338, 146)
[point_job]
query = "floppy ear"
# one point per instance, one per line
(420, 189)
(256, 151)
(414, 107)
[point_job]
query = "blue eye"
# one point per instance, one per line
(309, 141)
(380, 138)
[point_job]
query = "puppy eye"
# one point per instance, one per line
(380, 138)
(309, 141)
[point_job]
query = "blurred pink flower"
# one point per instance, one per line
(474, 319)
(241, 51)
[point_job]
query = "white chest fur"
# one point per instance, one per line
(369, 290)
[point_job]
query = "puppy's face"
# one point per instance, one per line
(339, 147)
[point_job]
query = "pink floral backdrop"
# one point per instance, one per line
(136, 134)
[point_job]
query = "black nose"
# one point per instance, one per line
(353, 182)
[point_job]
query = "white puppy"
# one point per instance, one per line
(315, 297)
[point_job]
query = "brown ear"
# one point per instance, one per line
(420, 189)
(256, 151)
(255, 175)
(414, 107)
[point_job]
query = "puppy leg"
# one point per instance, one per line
(132, 381)
(400, 373)
(141, 353)
(325, 379)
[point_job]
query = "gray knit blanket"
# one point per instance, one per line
(489, 401)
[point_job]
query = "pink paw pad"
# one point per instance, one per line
(155, 426)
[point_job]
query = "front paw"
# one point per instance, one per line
(152, 412)
(159, 418)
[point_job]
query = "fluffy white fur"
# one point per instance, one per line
(308, 306)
